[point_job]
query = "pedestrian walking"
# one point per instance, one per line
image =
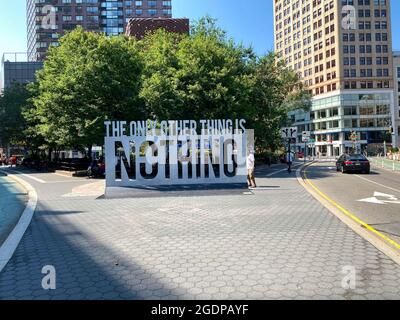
(13, 161)
(250, 170)
(289, 160)
(268, 160)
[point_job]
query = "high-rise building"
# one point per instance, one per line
(396, 63)
(47, 20)
(342, 50)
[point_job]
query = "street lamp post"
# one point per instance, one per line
(384, 148)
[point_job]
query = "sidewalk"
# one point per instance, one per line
(275, 242)
(386, 163)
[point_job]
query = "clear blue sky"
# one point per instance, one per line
(249, 22)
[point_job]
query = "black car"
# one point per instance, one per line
(353, 163)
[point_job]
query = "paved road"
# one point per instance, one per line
(373, 198)
(13, 199)
(274, 243)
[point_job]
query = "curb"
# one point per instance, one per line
(9, 246)
(378, 166)
(372, 238)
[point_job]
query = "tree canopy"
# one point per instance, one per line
(90, 77)
(13, 102)
(87, 79)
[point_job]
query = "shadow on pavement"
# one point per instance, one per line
(86, 266)
(13, 200)
(175, 191)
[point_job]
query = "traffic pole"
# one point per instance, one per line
(384, 149)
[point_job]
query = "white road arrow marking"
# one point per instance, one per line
(384, 195)
(391, 199)
(372, 200)
(395, 202)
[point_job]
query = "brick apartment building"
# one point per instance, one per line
(139, 27)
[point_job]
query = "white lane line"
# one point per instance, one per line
(26, 176)
(273, 173)
(62, 175)
(377, 183)
(67, 181)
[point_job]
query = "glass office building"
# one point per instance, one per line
(333, 119)
(15, 68)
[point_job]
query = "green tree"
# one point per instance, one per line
(159, 83)
(275, 90)
(36, 142)
(87, 79)
(207, 75)
(12, 124)
(90, 78)
(203, 75)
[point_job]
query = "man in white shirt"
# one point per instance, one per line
(289, 160)
(250, 170)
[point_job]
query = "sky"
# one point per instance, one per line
(249, 22)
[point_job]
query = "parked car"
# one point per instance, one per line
(353, 163)
(299, 155)
(15, 160)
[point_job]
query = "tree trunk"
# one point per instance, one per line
(89, 148)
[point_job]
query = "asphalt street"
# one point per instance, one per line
(373, 198)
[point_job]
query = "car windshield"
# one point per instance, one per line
(355, 157)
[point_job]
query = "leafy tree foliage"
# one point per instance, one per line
(89, 78)
(12, 124)
(275, 90)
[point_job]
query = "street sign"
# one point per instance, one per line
(355, 136)
(289, 132)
